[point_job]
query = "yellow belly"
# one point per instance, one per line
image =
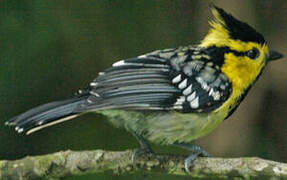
(177, 127)
(168, 127)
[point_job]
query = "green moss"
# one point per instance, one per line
(50, 164)
(2, 164)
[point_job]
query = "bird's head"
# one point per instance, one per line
(245, 50)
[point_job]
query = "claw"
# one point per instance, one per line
(189, 160)
(144, 149)
(140, 151)
(195, 152)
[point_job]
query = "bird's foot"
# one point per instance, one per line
(144, 149)
(196, 151)
(140, 151)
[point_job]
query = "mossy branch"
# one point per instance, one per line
(69, 163)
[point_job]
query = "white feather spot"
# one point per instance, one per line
(194, 103)
(20, 130)
(89, 101)
(178, 107)
(215, 94)
(94, 93)
(93, 84)
(188, 90)
(180, 100)
(191, 97)
(183, 84)
(210, 64)
(176, 79)
(203, 83)
(211, 92)
(142, 56)
(119, 63)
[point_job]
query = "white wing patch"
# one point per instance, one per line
(200, 90)
(180, 100)
(142, 56)
(183, 84)
(119, 63)
(177, 79)
(194, 103)
(188, 90)
(191, 97)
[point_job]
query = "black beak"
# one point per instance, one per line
(273, 55)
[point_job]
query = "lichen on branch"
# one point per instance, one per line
(70, 163)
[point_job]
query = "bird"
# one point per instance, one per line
(171, 96)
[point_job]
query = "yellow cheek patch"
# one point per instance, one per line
(240, 70)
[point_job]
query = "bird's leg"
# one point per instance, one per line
(145, 147)
(195, 152)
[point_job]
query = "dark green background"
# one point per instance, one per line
(50, 49)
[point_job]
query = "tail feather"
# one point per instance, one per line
(46, 115)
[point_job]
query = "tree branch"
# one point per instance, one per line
(68, 163)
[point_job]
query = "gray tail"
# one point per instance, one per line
(46, 115)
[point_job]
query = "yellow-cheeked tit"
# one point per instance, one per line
(171, 96)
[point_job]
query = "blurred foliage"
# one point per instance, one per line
(49, 49)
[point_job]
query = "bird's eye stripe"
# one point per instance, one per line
(252, 54)
(237, 53)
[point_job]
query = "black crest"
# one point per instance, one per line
(240, 30)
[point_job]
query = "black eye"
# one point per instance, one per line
(253, 53)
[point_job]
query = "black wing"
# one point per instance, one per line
(172, 79)
(183, 79)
